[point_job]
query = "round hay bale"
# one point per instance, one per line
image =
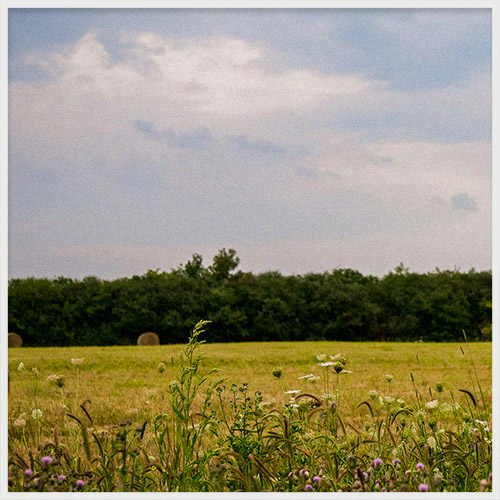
(15, 340)
(148, 338)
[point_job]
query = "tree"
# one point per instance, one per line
(223, 263)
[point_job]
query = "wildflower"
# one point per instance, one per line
(316, 479)
(28, 472)
(60, 381)
(295, 391)
(419, 466)
(423, 487)
(161, 367)
(445, 407)
(377, 462)
(373, 394)
(80, 483)
(314, 378)
(61, 478)
(432, 404)
(35, 373)
(305, 377)
(326, 364)
(308, 487)
(389, 377)
(19, 422)
(36, 414)
(431, 441)
(46, 460)
(77, 361)
(345, 372)
(321, 357)
(396, 462)
(52, 378)
(21, 367)
(339, 358)
(277, 372)
(439, 387)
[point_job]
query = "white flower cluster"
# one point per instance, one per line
(431, 441)
(386, 400)
(20, 421)
(483, 424)
(77, 361)
(432, 404)
(36, 414)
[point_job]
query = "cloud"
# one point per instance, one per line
(191, 143)
(462, 201)
(198, 139)
(243, 142)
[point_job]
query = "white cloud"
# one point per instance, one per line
(116, 184)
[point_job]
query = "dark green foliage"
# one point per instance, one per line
(338, 305)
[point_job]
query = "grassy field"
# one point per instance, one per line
(124, 383)
(120, 379)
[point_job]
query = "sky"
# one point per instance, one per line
(307, 140)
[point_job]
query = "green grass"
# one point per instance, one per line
(123, 383)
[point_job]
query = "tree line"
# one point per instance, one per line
(341, 304)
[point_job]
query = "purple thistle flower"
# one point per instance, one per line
(365, 475)
(423, 487)
(377, 462)
(80, 483)
(61, 478)
(316, 479)
(46, 460)
(396, 462)
(419, 466)
(28, 472)
(308, 487)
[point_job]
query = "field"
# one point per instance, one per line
(225, 437)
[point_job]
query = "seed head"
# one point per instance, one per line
(161, 367)
(338, 366)
(21, 367)
(60, 381)
(277, 372)
(389, 377)
(439, 387)
(77, 361)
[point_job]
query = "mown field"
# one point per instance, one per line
(253, 435)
